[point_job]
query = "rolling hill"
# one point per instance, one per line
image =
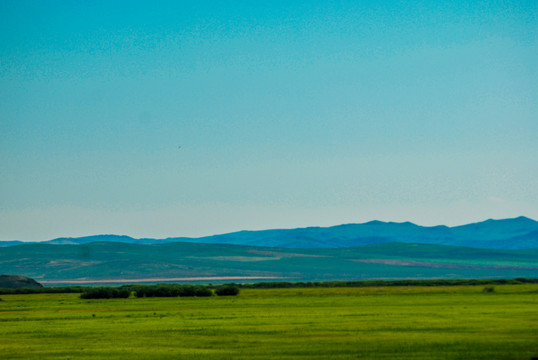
(17, 281)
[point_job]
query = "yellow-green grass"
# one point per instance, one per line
(316, 323)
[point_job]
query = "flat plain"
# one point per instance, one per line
(459, 322)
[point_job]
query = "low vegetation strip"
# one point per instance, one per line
(282, 284)
(378, 283)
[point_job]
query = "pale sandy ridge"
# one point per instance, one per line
(118, 281)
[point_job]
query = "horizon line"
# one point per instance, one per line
(271, 229)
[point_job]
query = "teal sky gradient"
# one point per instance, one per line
(189, 118)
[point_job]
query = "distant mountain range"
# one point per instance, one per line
(374, 250)
(514, 234)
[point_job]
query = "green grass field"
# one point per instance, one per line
(317, 323)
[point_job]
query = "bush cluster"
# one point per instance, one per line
(227, 290)
(171, 290)
(105, 293)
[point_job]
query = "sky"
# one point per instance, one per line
(191, 118)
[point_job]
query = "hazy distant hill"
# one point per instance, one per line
(100, 238)
(517, 233)
(11, 243)
(123, 261)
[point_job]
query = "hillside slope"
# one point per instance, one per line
(17, 281)
(109, 260)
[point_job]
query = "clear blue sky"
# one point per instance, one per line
(190, 118)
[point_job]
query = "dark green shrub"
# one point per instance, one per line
(123, 293)
(187, 291)
(164, 290)
(140, 291)
(227, 290)
(97, 293)
(488, 289)
(105, 293)
(171, 290)
(203, 291)
(161, 290)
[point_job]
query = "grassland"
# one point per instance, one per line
(460, 322)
